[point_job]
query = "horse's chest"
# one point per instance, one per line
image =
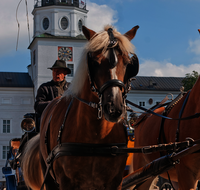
(94, 173)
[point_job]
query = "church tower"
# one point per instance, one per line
(57, 35)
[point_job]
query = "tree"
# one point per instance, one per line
(189, 80)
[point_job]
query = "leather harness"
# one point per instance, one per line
(115, 149)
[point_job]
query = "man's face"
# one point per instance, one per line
(59, 74)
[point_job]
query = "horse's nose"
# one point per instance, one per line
(112, 110)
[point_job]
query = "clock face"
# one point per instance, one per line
(65, 53)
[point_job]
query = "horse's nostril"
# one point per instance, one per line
(110, 108)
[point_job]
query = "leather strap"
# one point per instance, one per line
(180, 115)
(113, 82)
(81, 149)
(196, 115)
(115, 149)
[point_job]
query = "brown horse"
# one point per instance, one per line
(147, 132)
(84, 124)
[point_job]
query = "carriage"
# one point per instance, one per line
(83, 138)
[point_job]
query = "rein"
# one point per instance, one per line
(148, 111)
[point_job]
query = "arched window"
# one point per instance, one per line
(45, 23)
(80, 25)
(64, 23)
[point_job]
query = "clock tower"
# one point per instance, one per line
(57, 35)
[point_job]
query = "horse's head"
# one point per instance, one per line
(110, 68)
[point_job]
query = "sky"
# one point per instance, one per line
(167, 42)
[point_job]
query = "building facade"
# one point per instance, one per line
(149, 91)
(16, 99)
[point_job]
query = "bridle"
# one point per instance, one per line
(113, 60)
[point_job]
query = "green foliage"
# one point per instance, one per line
(190, 80)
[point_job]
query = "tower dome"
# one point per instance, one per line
(59, 17)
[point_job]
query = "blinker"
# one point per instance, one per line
(132, 68)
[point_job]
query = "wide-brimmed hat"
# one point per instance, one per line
(60, 64)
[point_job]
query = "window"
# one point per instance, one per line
(6, 126)
(71, 67)
(6, 100)
(34, 57)
(141, 103)
(45, 23)
(5, 151)
(26, 101)
(64, 23)
(80, 25)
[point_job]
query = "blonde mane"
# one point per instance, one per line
(99, 41)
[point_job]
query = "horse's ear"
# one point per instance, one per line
(131, 33)
(88, 33)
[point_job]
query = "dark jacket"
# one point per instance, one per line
(45, 94)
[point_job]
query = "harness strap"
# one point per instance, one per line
(91, 104)
(156, 167)
(45, 176)
(58, 139)
(46, 136)
(113, 82)
(63, 124)
(81, 149)
(161, 132)
(115, 149)
(166, 111)
(162, 103)
(196, 115)
(47, 130)
(180, 115)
